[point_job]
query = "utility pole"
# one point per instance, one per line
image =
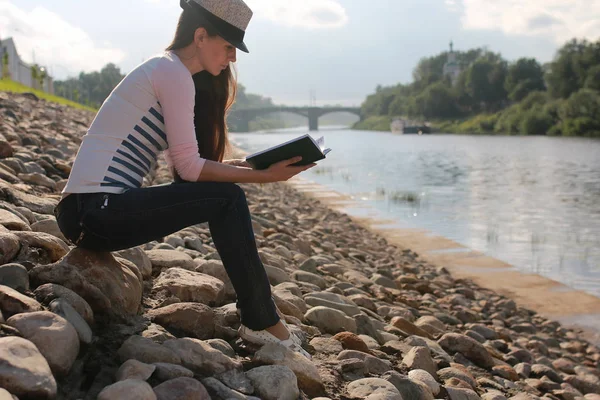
(312, 98)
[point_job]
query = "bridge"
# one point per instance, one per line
(244, 116)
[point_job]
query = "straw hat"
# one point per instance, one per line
(229, 18)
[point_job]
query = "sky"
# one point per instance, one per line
(340, 49)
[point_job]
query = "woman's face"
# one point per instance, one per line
(216, 54)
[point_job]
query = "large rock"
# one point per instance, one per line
(408, 389)
(191, 286)
(372, 365)
(52, 246)
(330, 320)
(192, 319)
(166, 371)
(274, 382)
(420, 358)
(304, 276)
(157, 333)
(181, 389)
(462, 394)
(9, 247)
(314, 300)
(308, 376)
(61, 307)
(408, 327)
(134, 369)
(24, 371)
(126, 390)
(164, 259)
(50, 227)
(13, 302)
(200, 357)
(216, 269)
(448, 373)
(14, 276)
(110, 287)
(373, 389)
(137, 256)
(145, 350)
(38, 204)
(12, 221)
(469, 347)
(51, 291)
(53, 335)
(220, 391)
(425, 378)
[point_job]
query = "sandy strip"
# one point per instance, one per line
(552, 299)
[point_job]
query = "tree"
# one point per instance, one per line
(593, 79)
(95, 86)
(524, 76)
(580, 114)
(569, 70)
(437, 101)
(485, 83)
(536, 122)
(42, 75)
(34, 75)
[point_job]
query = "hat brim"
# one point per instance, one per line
(228, 32)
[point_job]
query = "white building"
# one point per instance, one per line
(17, 70)
(452, 67)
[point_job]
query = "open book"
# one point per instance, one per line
(309, 149)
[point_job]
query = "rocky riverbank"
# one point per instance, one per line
(159, 321)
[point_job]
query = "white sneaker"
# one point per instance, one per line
(263, 337)
(293, 336)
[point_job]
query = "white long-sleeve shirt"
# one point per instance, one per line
(150, 111)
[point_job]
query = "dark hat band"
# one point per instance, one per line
(227, 31)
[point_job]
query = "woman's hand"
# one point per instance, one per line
(237, 163)
(283, 170)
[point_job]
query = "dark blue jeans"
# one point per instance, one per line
(110, 222)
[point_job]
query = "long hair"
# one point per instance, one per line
(214, 94)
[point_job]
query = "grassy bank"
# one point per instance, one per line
(374, 123)
(7, 85)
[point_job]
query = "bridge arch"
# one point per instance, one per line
(244, 116)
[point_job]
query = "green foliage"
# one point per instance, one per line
(580, 114)
(523, 97)
(571, 66)
(524, 76)
(374, 123)
(536, 122)
(509, 121)
(481, 124)
(91, 88)
(34, 75)
(593, 79)
(437, 101)
(485, 83)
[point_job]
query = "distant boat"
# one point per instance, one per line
(399, 126)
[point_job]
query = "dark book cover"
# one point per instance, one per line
(303, 146)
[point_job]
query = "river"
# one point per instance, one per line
(533, 202)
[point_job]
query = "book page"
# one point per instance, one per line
(321, 142)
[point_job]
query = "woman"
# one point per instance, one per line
(176, 102)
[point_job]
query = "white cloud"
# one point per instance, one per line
(64, 48)
(560, 20)
(311, 14)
